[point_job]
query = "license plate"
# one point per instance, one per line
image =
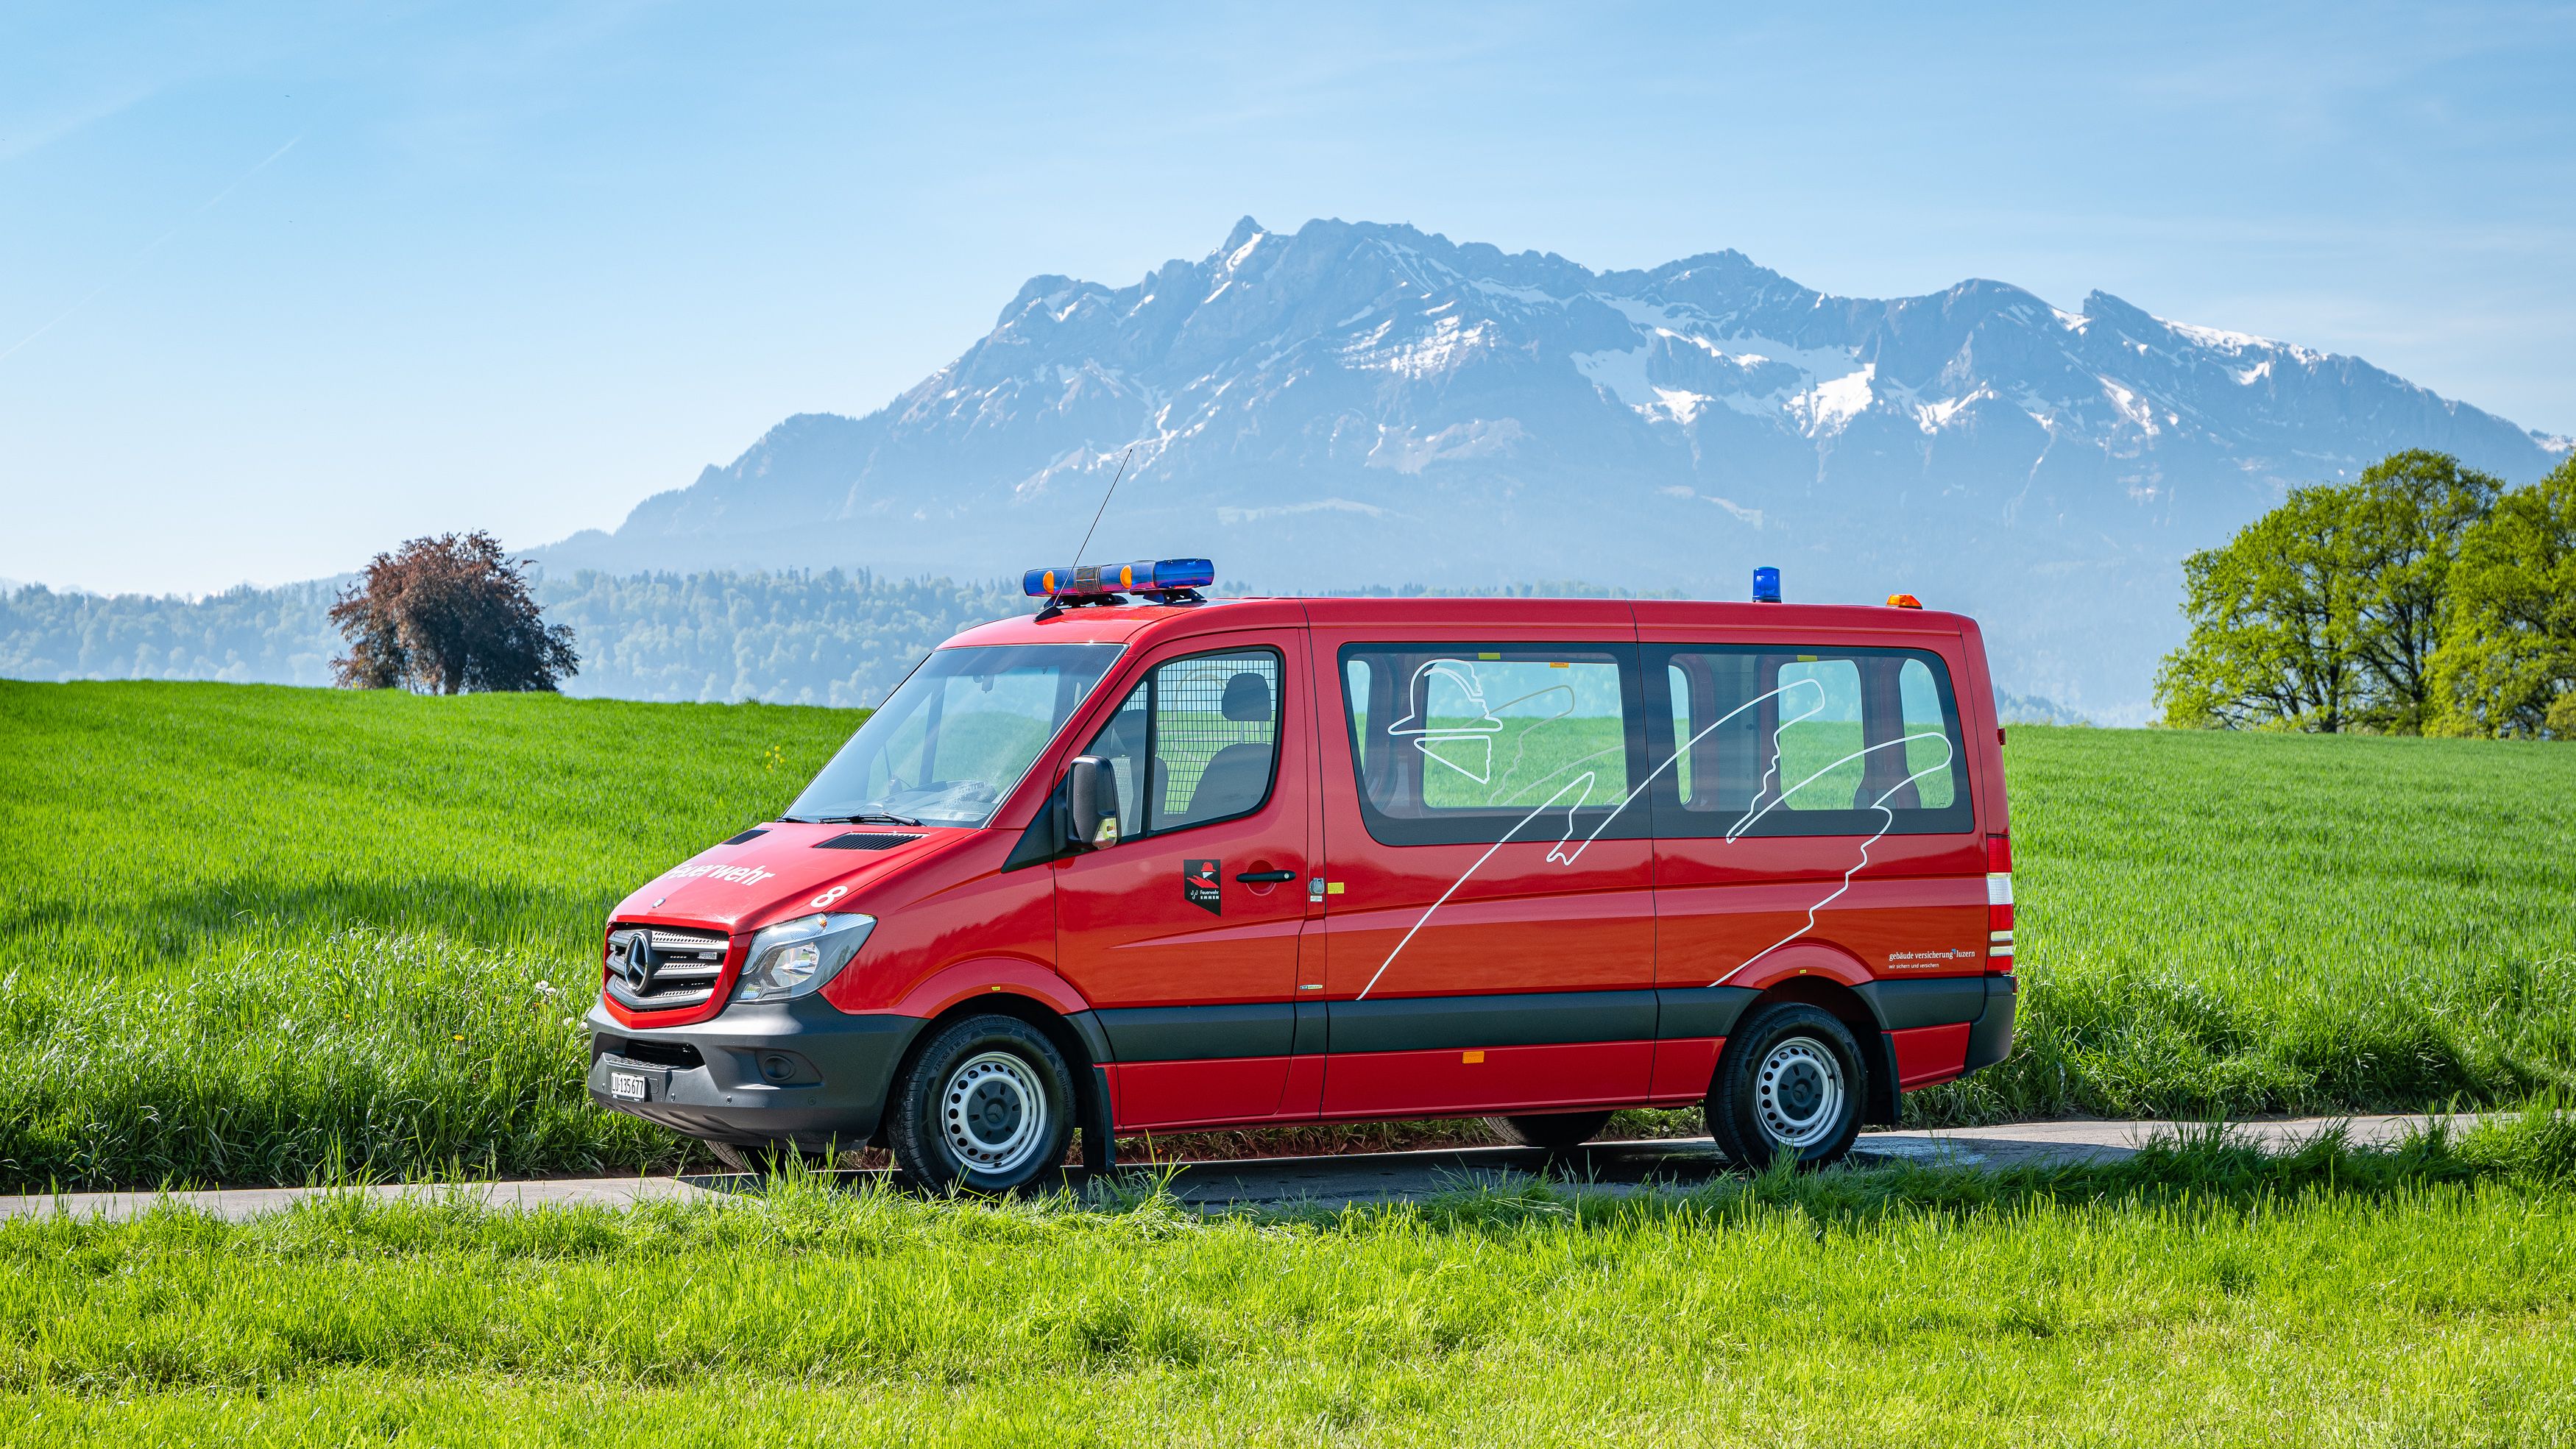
(627, 1086)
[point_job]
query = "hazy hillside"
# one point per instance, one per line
(1356, 404)
(788, 638)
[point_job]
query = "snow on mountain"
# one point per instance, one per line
(1357, 404)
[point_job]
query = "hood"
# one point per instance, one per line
(775, 872)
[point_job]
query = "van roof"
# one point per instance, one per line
(1129, 623)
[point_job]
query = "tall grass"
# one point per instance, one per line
(2215, 922)
(2200, 1295)
(248, 934)
(254, 934)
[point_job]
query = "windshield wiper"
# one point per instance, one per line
(864, 817)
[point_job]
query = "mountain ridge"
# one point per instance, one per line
(1358, 403)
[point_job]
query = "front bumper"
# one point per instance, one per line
(796, 1071)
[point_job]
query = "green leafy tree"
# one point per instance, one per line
(2405, 518)
(2276, 614)
(2327, 613)
(2507, 663)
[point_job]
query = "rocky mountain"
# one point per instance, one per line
(1357, 404)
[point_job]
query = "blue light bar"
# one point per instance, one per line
(1161, 576)
(1766, 585)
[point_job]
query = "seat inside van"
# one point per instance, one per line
(1237, 774)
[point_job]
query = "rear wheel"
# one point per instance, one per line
(1791, 1081)
(1556, 1132)
(986, 1105)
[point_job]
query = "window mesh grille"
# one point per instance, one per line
(1191, 730)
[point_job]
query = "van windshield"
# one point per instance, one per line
(958, 735)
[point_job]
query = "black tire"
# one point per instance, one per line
(986, 1105)
(1555, 1132)
(1792, 1080)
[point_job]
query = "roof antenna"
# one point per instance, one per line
(1104, 506)
(1053, 607)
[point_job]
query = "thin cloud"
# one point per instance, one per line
(25, 139)
(149, 248)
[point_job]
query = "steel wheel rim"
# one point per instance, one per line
(1798, 1091)
(993, 1113)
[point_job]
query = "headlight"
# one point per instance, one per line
(798, 956)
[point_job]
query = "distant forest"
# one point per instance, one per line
(832, 638)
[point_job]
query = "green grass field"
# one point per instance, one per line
(2213, 922)
(250, 933)
(254, 934)
(2202, 1295)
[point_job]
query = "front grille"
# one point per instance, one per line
(659, 1053)
(858, 840)
(659, 968)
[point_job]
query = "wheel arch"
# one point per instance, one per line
(1081, 1051)
(1879, 1103)
(1077, 1035)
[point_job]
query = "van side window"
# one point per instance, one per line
(1460, 744)
(1197, 741)
(1789, 741)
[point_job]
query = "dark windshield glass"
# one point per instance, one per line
(959, 734)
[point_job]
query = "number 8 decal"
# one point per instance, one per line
(829, 896)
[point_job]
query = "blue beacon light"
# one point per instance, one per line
(1092, 581)
(1766, 585)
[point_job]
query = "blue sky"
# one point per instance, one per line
(280, 287)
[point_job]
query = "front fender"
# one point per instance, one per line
(986, 976)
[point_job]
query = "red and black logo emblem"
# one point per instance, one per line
(1199, 885)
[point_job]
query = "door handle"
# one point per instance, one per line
(1266, 877)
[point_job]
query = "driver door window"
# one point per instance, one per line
(1196, 742)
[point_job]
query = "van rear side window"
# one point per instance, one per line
(1460, 744)
(1789, 741)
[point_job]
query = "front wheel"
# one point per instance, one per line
(1791, 1082)
(986, 1105)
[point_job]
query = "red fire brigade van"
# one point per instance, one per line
(1148, 861)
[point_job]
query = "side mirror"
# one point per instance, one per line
(1091, 803)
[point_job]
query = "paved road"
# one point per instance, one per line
(1616, 1167)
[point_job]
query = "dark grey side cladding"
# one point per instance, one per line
(1701, 1011)
(1199, 1033)
(1938, 1001)
(1433, 1023)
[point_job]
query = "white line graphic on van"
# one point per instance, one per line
(1432, 739)
(1764, 801)
(1584, 780)
(1887, 821)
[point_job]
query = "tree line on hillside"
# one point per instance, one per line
(842, 638)
(244, 635)
(2420, 598)
(831, 638)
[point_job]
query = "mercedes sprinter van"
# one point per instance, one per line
(1153, 862)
